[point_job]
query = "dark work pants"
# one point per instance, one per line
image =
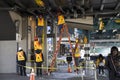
(60, 28)
(77, 62)
(101, 69)
(21, 68)
(39, 68)
(39, 30)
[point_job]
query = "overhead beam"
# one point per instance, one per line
(87, 20)
(106, 40)
(117, 6)
(102, 5)
(79, 25)
(110, 13)
(102, 12)
(9, 3)
(53, 3)
(22, 7)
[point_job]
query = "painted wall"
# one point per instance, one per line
(8, 48)
(8, 56)
(7, 27)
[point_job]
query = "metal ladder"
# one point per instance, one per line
(58, 46)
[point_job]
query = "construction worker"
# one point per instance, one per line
(21, 61)
(85, 40)
(61, 21)
(40, 25)
(39, 60)
(101, 24)
(77, 57)
(37, 44)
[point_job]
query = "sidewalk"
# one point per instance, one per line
(45, 77)
(60, 74)
(53, 76)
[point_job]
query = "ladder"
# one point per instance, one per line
(58, 45)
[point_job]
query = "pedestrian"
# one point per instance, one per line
(69, 58)
(77, 58)
(39, 60)
(113, 63)
(100, 64)
(21, 61)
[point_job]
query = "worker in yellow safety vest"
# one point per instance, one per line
(61, 21)
(21, 61)
(77, 57)
(85, 40)
(39, 60)
(40, 25)
(37, 44)
(101, 24)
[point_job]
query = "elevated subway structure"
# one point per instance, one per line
(18, 29)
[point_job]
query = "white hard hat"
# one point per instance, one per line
(20, 48)
(70, 50)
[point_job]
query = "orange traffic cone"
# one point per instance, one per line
(69, 69)
(32, 75)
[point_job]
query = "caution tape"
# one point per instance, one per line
(30, 60)
(71, 61)
(29, 67)
(61, 60)
(81, 67)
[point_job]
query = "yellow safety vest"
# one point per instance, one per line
(77, 53)
(40, 21)
(20, 56)
(101, 25)
(39, 2)
(61, 20)
(37, 45)
(38, 57)
(85, 40)
(98, 61)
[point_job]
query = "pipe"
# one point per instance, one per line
(7, 9)
(103, 12)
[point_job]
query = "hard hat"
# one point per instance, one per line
(70, 50)
(20, 48)
(100, 19)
